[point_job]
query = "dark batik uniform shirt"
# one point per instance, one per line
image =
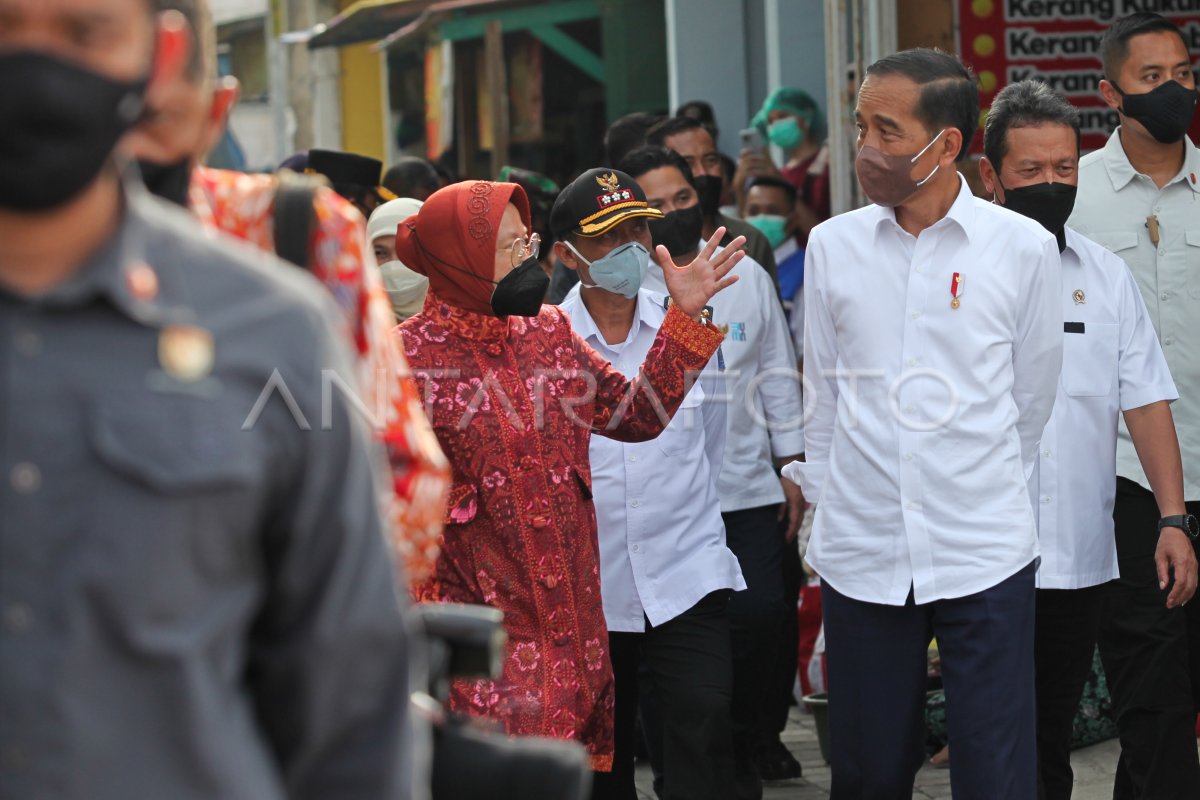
(195, 596)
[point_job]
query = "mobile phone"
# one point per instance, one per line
(752, 140)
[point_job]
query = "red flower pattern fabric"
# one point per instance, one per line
(243, 206)
(514, 402)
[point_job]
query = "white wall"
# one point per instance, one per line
(252, 124)
(706, 60)
(733, 53)
(224, 11)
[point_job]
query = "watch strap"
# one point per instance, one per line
(1185, 522)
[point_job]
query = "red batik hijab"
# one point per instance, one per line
(452, 240)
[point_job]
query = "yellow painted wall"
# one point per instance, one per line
(362, 91)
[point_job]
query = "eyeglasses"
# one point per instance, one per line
(523, 248)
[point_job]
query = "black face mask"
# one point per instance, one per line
(709, 188)
(678, 231)
(60, 125)
(1048, 204)
(520, 293)
(168, 181)
(1165, 112)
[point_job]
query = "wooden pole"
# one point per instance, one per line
(497, 87)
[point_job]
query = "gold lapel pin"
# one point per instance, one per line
(1079, 297)
(186, 352)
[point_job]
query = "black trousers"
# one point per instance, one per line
(784, 668)
(1144, 647)
(1064, 642)
(877, 677)
(756, 616)
(689, 662)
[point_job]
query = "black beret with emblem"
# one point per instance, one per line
(596, 201)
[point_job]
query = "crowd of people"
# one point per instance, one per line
(247, 420)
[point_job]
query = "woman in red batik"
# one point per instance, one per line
(514, 395)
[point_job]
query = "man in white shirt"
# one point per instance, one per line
(1112, 364)
(761, 511)
(665, 572)
(932, 349)
(1140, 198)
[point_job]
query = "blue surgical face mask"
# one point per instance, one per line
(621, 271)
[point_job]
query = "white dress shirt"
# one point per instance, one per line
(925, 418)
(1111, 363)
(760, 386)
(662, 540)
(1112, 209)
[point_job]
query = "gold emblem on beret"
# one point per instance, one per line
(185, 352)
(609, 182)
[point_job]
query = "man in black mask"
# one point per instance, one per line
(1112, 366)
(761, 511)
(689, 138)
(196, 598)
(1139, 196)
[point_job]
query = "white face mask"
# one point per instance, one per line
(621, 271)
(405, 289)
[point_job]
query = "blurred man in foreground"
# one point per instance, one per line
(196, 594)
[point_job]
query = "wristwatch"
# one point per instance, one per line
(1185, 522)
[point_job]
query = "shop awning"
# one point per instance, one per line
(366, 21)
(452, 24)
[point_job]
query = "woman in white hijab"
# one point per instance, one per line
(405, 288)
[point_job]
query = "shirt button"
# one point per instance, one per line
(908, 456)
(26, 478)
(1170, 340)
(633, 458)
(636, 503)
(910, 506)
(912, 362)
(1046, 453)
(1165, 295)
(636, 548)
(27, 343)
(909, 409)
(915, 315)
(1046, 499)
(18, 617)
(1162, 251)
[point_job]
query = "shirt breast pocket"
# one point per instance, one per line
(1090, 360)
(1115, 241)
(678, 438)
(179, 499)
(173, 445)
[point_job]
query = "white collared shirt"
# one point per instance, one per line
(926, 418)
(760, 385)
(1111, 363)
(1112, 209)
(662, 540)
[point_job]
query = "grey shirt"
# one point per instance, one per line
(1113, 208)
(196, 600)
